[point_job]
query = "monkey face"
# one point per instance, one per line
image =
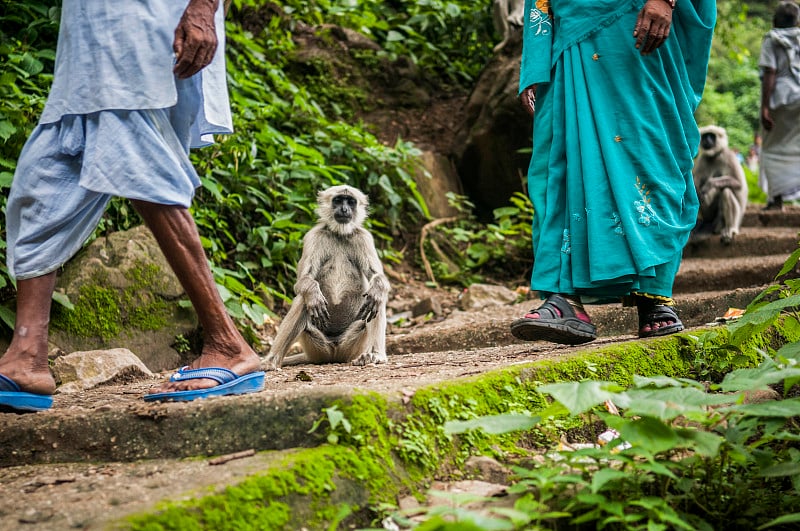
(708, 141)
(344, 207)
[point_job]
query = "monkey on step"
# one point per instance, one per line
(720, 183)
(339, 311)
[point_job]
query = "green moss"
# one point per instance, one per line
(393, 448)
(96, 313)
(104, 312)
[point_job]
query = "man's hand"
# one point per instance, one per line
(652, 26)
(766, 119)
(195, 38)
(528, 99)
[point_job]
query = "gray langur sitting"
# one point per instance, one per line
(507, 15)
(339, 311)
(721, 185)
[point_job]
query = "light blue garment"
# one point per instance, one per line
(117, 123)
(614, 142)
(780, 51)
(69, 170)
(118, 55)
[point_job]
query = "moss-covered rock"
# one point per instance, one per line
(123, 294)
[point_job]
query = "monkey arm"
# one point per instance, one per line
(378, 287)
(726, 181)
(307, 285)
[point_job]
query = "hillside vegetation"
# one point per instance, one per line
(295, 132)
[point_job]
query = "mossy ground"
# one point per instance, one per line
(387, 448)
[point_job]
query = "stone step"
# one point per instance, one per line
(113, 423)
(714, 274)
(751, 241)
(755, 216)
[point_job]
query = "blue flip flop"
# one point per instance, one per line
(229, 384)
(12, 397)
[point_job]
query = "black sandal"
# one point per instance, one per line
(557, 323)
(650, 312)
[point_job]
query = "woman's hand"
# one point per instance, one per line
(528, 99)
(652, 26)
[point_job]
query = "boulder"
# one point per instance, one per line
(124, 294)
(435, 177)
(491, 146)
(83, 370)
(479, 296)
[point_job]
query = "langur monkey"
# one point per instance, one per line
(339, 311)
(720, 183)
(507, 14)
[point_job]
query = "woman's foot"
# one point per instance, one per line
(657, 317)
(559, 319)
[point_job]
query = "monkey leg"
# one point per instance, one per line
(731, 213)
(500, 20)
(376, 348)
(290, 328)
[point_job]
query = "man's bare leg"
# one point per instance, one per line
(25, 361)
(223, 345)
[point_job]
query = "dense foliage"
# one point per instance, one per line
(699, 452)
(295, 133)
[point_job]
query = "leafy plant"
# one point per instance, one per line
(465, 251)
(338, 425)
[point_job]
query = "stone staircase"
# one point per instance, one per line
(110, 454)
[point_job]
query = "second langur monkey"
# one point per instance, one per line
(721, 184)
(507, 15)
(339, 311)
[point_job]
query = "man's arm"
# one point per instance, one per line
(767, 86)
(195, 38)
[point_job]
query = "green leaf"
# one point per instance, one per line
(670, 402)
(704, 443)
(785, 519)
(650, 434)
(63, 300)
(7, 316)
(493, 424)
(604, 475)
(579, 397)
(758, 378)
(781, 470)
(394, 36)
(779, 408)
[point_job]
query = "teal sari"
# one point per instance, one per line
(614, 142)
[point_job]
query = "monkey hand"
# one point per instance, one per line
(317, 307)
(652, 26)
(369, 309)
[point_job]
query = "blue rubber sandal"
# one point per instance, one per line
(229, 384)
(11, 397)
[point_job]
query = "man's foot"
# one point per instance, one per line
(559, 320)
(24, 384)
(656, 319)
(240, 363)
(774, 203)
(28, 375)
